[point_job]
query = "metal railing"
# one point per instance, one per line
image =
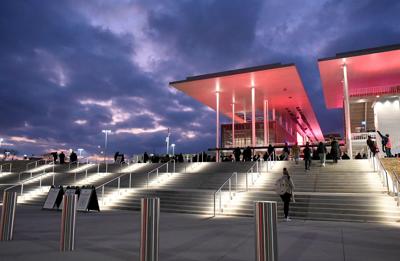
(252, 173)
(35, 163)
(52, 164)
(219, 193)
(31, 181)
(2, 166)
(156, 171)
(119, 186)
(396, 186)
(362, 136)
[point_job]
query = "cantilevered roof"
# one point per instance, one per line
(280, 84)
(370, 72)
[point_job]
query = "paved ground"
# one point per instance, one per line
(115, 236)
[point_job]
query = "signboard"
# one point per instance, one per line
(69, 191)
(88, 200)
(53, 197)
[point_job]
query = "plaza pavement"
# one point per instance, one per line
(114, 235)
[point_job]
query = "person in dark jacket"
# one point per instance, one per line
(237, 152)
(55, 156)
(307, 156)
(335, 150)
(271, 151)
(247, 154)
(384, 140)
(372, 146)
(62, 157)
(286, 152)
(145, 157)
(73, 157)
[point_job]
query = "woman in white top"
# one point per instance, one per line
(284, 187)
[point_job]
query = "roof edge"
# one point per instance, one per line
(380, 49)
(233, 72)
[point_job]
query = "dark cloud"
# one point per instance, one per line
(70, 69)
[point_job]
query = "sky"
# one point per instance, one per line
(70, 68)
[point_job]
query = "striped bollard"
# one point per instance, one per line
(150, 216)
(68, 218)
(8, 216)
(266, 233)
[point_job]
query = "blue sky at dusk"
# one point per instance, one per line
(69, 69)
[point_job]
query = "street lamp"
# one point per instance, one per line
(80, 153)
(1, 141)
(106, 132)
(173, 149)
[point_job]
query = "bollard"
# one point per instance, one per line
(68, 218)
(150, 216)
(8, 216)
(266, 233)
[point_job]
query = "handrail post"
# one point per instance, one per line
(86, 174)
(102, 195)
(40, 182)
(22, 189)
(53, 178)
(119, 185)
(1, 168)
(174, 167)
(247, 181)
(75, 177)
(215, 204)
(148, 175)
(130, 180)
(230, 192)
(236, 184)
(220, 201)
(166, 171)
(398, 194)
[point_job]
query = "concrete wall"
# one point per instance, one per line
(387, 115)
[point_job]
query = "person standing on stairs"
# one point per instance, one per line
(307, 156)
(284, 187)
(321, 150)
(296, 152)
(335, 150)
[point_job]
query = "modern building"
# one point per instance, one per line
(266, 104)
(366, 83)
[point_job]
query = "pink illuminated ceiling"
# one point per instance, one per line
(279, 84)
(370, 72)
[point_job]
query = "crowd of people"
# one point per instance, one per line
(60, 157)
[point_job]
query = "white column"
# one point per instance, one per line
(217, 126)
(266, 123)
(253, 116)
(273, 114)
(233, 125)
(347, 111)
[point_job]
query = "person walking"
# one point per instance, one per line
(321, 150)
(335, 150)
(271, 151)
(284, 187)
(372, 146)
(296, 153)
(307, 156)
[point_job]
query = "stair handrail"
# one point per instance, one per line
(219, 192)
(5, 164)
(251, 170)
(157, 170)
(35, 163)
(22, 182)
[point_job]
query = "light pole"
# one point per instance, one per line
(1, 141)
(80, 152)
(173, 149)
(106, 132)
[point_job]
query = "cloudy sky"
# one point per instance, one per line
(69, 69)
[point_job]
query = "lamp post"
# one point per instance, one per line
(173, 149)
(80, 152)
(106, 132)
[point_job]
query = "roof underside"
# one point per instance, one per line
(370, 72)
(279, 84)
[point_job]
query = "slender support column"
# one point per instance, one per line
(233, 125)
(149, 231)
(217, 127)
(347, 112)
(365, 116)
(266, 123)
(273, 114)
(8, 216)
(253, 117)
(275, 122)
(265, 214)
